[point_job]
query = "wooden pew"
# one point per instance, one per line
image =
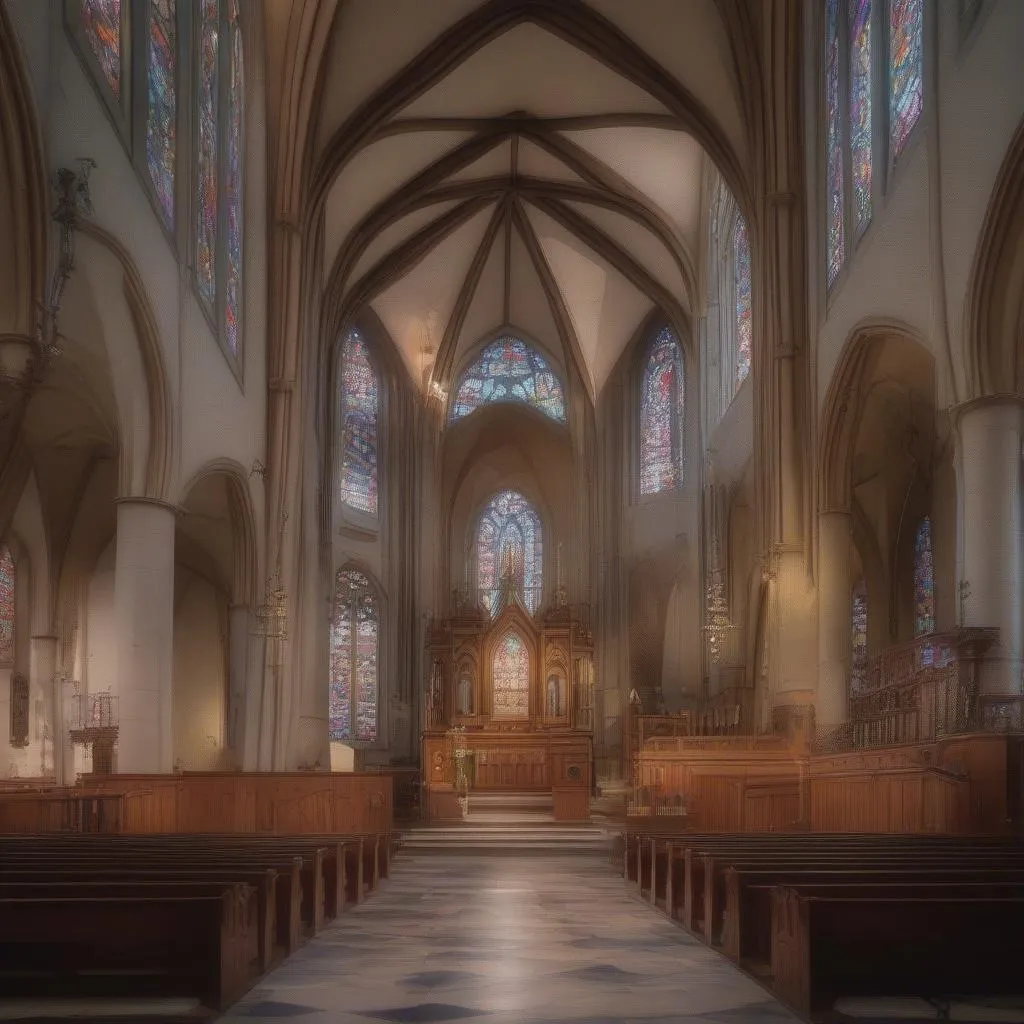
(157, 944)
(746, 934)
(826, 947)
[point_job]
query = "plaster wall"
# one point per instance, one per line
(200, 670)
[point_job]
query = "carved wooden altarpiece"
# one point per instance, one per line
(521, 687)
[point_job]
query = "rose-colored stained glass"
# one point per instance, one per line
(661, 416)
(354, 658)
(233, 190)
(508, 541)
(101, 24)
(510, 678)
(8, 580)
(207, 150)
(860, 111)
(744, 302)
(509, 370)
(906, 70)
(834, 184)
(162, 102)
(360, 402)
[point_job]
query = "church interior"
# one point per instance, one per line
(512, 510)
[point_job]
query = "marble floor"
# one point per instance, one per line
(526, 940)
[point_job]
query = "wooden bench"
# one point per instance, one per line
(291, 886)
(823, 947)
(156, 944)
(746, 934)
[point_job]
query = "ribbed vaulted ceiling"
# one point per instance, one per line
(528, 165)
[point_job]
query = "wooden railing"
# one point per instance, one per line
(921, 691)
(61, 811)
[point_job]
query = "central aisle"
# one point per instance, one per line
(499, 939)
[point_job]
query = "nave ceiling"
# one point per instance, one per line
(527, 164)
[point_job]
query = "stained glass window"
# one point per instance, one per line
(207, 147)
(661, 416)
(233, 191)
(8, 579)
(508, 543)
(906, 71)
(836, 239)
(510, 678)
(509, 370)
(360, 403)
(924, 586)
(162, 102)
(101, 23)
(860, 111)
(859, 647)
(354, 658)
(744, 305)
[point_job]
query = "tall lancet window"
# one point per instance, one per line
(835, 191)
(861, 138)
(906, 70)
(509, 547)
(103, 29)
(859, 645)
(360, 404)
(924, 586)
(8, 605)
(744, 303)
(219, 118)
(354, 658)
(162, 103)
(661, 416)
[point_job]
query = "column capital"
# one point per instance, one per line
(835, 510)
(141, 499)
(983, 402)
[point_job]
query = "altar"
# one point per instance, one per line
(509, 707)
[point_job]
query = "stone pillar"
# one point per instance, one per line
(42, 667)
(835, 593)
(144, 622)
(238, 677)
(991, 529)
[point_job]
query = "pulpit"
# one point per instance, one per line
(519, 690)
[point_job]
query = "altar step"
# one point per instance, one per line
(507, 839)
(510, 808)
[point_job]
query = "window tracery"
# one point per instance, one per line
(509, 543)
(661, 416)
(360, 406)
(509, 370)
(354, 658)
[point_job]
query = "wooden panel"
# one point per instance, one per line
(273, 803)
(571, 803)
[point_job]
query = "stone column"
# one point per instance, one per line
(144, 622)
(238, 677)
(42, 667)
(991, 509)
(834, 624)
